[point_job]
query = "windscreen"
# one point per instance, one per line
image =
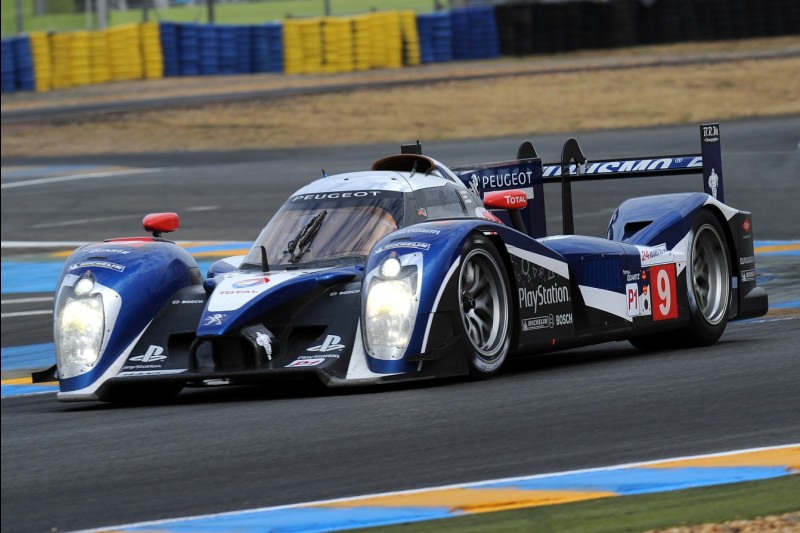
(326, 229)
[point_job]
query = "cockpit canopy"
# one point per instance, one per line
(327, 229)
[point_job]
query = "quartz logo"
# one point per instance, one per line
(153, 354)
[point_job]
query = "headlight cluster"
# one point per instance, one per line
(391, 305)
(79, 327)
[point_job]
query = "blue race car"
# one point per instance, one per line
(409, 270)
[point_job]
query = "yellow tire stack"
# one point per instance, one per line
(337, 39)
(377, 37)
(80, 62)
(311, 35)
(362, 42)
(42, 62)
(101, 67)
(408, 24)
(151, 50)
(393, 33)
(124, 52)
(60, 57)
(292, 47)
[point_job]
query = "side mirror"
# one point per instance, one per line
(512, 200)
(158, 223)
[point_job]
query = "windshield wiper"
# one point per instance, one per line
(304, 238)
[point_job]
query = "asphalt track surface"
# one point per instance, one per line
(75, 466)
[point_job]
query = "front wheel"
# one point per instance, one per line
(483, 292)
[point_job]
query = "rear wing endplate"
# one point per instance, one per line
(527, 173)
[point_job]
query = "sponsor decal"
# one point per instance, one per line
(214, 320)
(97, 264)
(538, 322)
(107, 251)
(239, 291)
(507, 179)
(542, 295)
(330, 344)
(335, 195)
(473, 184)
(426, 231)
(650, 254)
(180, 302)
(251, 282)
(306, 362)
(322, 356)
(748, 275)
(665, 293)
(747, 260)
(345, 293)
(564, 319)
(713, 182)
(632, 293)
(630, 165)
(262, 339)
(710, 133)
(404, 244)
(631, 277)
(644, 301)
(746, 225)
(153, 354)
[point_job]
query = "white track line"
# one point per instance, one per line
(73, 177)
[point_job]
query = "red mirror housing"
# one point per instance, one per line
(161, 222)
(512, 199)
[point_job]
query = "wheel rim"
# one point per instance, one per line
(710, 274)
(484, 304)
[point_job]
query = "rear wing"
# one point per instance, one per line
(527, 173)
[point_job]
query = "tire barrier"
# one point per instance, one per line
(41, 61)
(553, 27)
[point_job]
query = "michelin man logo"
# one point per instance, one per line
(713, 183)
(262, 339)
(473, 184)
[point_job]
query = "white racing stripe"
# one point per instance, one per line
(26, 313)
(28, 300)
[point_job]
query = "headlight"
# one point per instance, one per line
(79, 328)
(391, 305)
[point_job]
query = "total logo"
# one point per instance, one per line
(746, 225)
(154, 353)
(330, 344)
(250, 282)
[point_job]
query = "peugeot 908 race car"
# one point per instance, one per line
(406, 271)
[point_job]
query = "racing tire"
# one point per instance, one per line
(148, 394)
(708, 276)
(484, 307)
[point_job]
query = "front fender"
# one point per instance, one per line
(135, 280)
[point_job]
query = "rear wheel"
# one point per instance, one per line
(708, 274)
(483, 289)
(708, 278)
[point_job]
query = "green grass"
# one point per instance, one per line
(225, 13)
(630, 513)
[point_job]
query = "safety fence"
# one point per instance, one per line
(43, 61)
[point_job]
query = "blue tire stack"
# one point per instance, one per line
(226, 37)
(275, 40)
(23, 64)
(435, 32)
(243, 36)
(267, 47)
(8, 83)
(463, 36)
(209, 46)
(189, 48)
(483, 29)
(168, 33)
